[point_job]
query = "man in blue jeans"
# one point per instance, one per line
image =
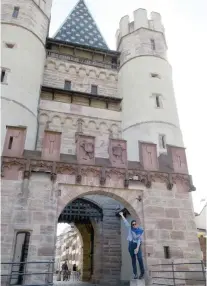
(135, 240)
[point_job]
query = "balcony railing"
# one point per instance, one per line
(18, 273)
(71, 58)
(179, 274)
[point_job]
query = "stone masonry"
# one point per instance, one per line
(160, 201)
(102, 137)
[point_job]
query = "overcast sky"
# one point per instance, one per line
(186, 33)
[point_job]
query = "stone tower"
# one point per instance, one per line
(25, 26)
(72, 166)
(145, 84)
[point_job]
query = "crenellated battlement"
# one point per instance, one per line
(18, 163)
(141, 20)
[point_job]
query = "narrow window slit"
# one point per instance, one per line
(10, 142)
(167, 252)
(15, 12)
(153, 44)
(157, 100)
(3, 75)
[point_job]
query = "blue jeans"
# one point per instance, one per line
(132, 247)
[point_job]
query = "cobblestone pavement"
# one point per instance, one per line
(71, 283)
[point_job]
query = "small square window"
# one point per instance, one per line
(155, 75)
(67, 85)
(162, 141)
(94, 89)
(153, 44)
(15, 12)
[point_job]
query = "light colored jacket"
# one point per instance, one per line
(132, 236)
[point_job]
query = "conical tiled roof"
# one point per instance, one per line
(80, 28)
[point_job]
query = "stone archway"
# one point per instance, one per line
(127, 199)
(82, 212)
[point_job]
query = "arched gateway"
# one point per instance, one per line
(94, 212)
(86, 215)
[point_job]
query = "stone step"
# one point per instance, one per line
(137, 282)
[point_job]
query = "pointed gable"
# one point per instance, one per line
(80, 28)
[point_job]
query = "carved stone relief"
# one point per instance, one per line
(118, 153)
(85, 147)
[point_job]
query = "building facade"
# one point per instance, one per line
(87, 132)
(200, 220)
(69, 247)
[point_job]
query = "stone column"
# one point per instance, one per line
(98, 253)
(111, 247)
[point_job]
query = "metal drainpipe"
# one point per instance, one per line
(56, 224)
(38, 125)
(145, 252)
(102, 251)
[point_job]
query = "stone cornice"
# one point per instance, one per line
(145, 177)
(74, 93)
(82, 47)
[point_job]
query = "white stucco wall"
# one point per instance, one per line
(81, 76)
(200, 219)
(25, 64)
(141, 118)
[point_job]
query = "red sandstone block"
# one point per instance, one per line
(148, 155)
(178, 159)
(85, 149)
(177, 235)
(172, 213)
(151, 234)
(164, 234)
(12, 173)
(179, 224)
(14, 141)
(164, 224)
(154, 211)
(51, 146)
(118, 153)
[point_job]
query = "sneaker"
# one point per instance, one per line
(136, 276)
(141, 275)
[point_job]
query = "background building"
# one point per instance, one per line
(200, 220)
(69, 249)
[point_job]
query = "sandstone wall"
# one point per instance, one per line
(81, 77)
(64, 118)
(35, 204)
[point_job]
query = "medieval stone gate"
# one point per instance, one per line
(36, 193)
(95, 216)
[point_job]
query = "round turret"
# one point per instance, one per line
(24, 31)
(149, 110)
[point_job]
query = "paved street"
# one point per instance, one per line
(71, 283)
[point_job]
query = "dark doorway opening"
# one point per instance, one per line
(83, 213)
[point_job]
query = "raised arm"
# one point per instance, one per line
(124, 219)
